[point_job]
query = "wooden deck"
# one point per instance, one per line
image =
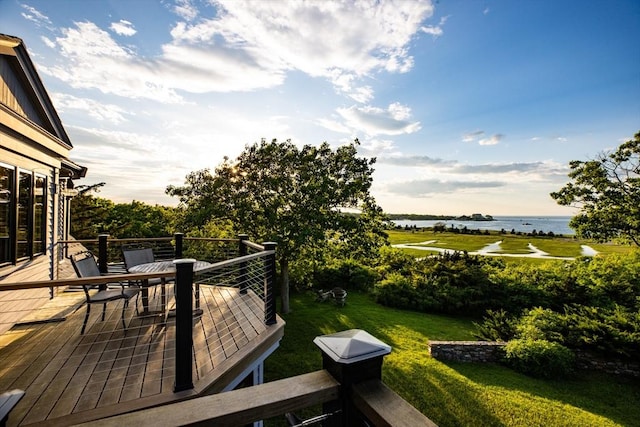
(110, 370)
(15, 305)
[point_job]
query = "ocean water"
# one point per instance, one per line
(525, 224)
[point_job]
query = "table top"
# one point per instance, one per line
(158, 266)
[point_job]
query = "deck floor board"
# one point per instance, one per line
(64, 372)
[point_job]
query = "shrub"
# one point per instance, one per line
(497, 325)
(345, 273)
(395, 291)
(539, 358)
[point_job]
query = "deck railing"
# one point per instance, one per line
(249, 277)
(349, 388)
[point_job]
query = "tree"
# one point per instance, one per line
(94, 215)
(275, 191)
(607, 191)
(89, 213)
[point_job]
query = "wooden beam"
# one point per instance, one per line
(237, 407)
(384, 408)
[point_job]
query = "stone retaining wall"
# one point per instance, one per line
(491, 352)
(467, 351)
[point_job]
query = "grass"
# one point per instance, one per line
(451, 394)
(511, 244)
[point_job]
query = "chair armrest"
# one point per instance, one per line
(8, 400)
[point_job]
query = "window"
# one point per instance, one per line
(23, 214)
(6, 196)
(25, 188)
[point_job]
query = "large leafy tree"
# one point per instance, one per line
(607, 191)
(275, 191)
(93, 215)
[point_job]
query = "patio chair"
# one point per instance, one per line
(85, 265)
(135, 256)
(132, 256)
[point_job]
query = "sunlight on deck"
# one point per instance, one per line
(64, 372)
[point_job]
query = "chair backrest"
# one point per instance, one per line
(85, 266)
(137, 256)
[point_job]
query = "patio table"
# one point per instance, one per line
(168, 267)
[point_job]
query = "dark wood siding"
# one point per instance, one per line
(14, 95)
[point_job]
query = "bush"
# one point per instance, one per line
(539, 358)
(346, 273)
(497, 325)
(395, 291)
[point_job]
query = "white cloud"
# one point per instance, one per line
(186, 10)
(95, 109)
(333, 125)
(435, 30)
(322, 39)
(123, 28)
(35, 16)
(47, 41)
(478, 136)
(247, 45)
(375, 147)
(472, 136)
(424, 187)
(376, 121)
(492, 140)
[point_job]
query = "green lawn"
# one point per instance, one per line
(512, 244)
(451, 394)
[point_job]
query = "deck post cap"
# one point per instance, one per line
(350, 346)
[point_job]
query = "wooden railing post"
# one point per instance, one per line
(178, 250)
(103, 258)
(270, 284)
(242, 251)
(184, 324)
(351, 357)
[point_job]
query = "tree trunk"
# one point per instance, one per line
(284, 285)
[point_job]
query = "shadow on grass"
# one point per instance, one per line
(439, 393)
(612, 397)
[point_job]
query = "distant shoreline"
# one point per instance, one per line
(428, 217)
(523, 224)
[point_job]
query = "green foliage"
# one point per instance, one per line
(497, 325)
(89, 215)
(539, 358)
(607, 190)
(347, 274)
(137, 219)
(92, 215)
(450, 394)
(275, 191)
(206, 249)
(396, 290)
(587, 304)
(445, 283)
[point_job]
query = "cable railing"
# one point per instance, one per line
(135, 349)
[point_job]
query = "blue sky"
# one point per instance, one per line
(468, 105)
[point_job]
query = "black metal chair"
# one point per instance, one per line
(85, 265)
(137, 256)
(133, 256)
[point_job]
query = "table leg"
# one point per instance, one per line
(145, 296)
(163, 291)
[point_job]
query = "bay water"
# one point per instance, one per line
(523, 224)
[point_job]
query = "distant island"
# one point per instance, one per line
(427, 217)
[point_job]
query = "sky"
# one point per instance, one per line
(469, 106)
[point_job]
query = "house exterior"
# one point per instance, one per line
(36, 174)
